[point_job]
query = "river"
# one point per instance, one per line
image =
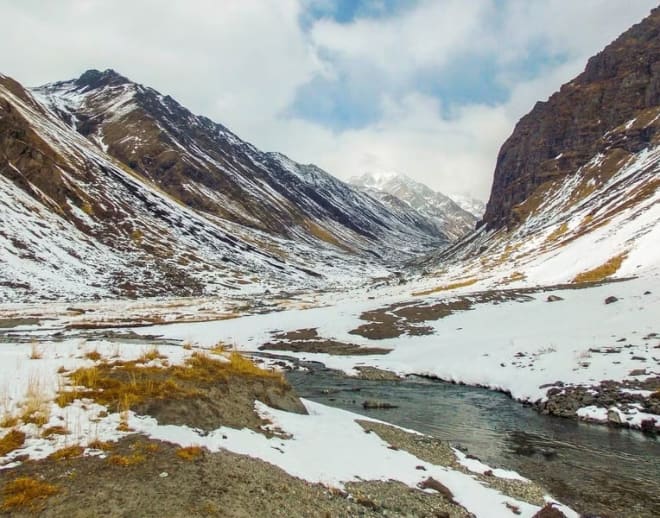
(596, 469)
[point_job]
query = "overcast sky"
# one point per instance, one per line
(429, 88)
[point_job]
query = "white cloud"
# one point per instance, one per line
(241, 62)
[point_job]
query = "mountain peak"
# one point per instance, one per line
(93, 78)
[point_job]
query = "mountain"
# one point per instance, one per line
(576, 188)
(468, 203)
(400, 192)
(208, 168)
(611, 109)
(108, 188)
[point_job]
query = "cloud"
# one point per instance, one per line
(430, 88)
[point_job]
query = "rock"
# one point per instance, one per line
(431, 483)
(613, 416)
(637, 372)
(647, 292)
(639, 358)
(549, 453)
(648, 426)
(549, 511)
(610, 299)
(373, 404)
(554, 298)
(164, 474)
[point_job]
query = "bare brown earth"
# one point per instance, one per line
(309, 341)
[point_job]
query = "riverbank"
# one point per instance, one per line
(113, 428)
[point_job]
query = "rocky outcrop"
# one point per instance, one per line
(613, 104)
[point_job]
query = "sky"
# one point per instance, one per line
(427, 88)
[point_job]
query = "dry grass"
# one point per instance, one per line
(36, 408)
(35, 351)
(70, 452)
(151, 355)
(219, 348)
(446, 287)
(13, 440)
(557, 233)
(54, 430)
(601, 272)
(100, 445)
(189, 453)
(121, 386)
(93, 355)
(126, 460)
(27, 493)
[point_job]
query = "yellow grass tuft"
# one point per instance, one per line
(126, 460)
(601, 272)
(54, 430)
(26, 492)
(70, 452)
(219, 348)
(452, 286)
(150, 355)
(100, 445)
(13, 440)
(93, 355)
(189, 453)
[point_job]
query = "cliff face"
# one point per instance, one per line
(613, 104)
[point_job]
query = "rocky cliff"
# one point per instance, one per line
(612, 105)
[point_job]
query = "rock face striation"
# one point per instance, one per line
(612, 105)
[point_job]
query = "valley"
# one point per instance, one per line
(191, 326)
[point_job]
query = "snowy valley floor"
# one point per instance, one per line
(552, 346)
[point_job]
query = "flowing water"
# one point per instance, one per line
(598, 470)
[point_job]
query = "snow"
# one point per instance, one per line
(513, 346)
(347, 453)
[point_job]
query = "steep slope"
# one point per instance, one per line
(393, 189)
(576, 188)
(612, 104)
(208, 168)
(77, 223)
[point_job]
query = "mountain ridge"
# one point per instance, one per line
(448, 216)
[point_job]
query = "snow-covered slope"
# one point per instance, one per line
(401, 192)
(183, 207)
(205, 166)
(77, 223)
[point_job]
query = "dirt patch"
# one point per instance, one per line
(408, 318)
(309, 341)
(228, 402)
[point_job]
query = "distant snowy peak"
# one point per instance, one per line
(468, 203)
(449, 216)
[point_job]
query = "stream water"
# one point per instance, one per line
(599, 471)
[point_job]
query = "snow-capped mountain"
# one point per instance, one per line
(108, 188)
(468, 203)
(394, 188)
